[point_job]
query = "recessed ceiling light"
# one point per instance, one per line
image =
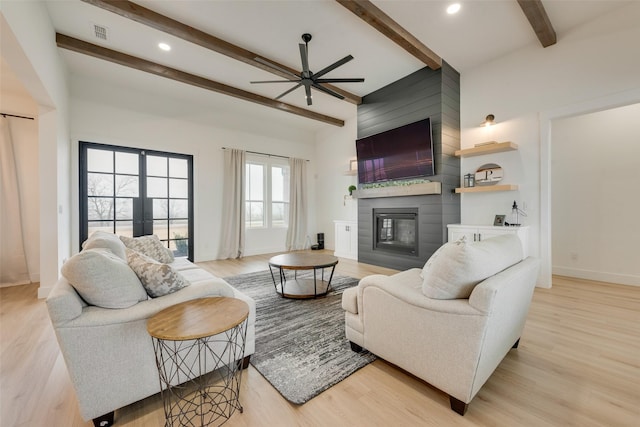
(453, 8)
(164, 47)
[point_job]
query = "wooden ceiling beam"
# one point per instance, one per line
(539, 20)
(163, 23)
(140, 64)
(382, 22)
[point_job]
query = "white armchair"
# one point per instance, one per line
(453, 344)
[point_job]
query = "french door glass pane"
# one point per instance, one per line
(178, 209)
(124, 228)
(179, 228)
(179, 188)
(156, 166)
(179, 247)
(161, 229)
(100, 208)
(127, 185)
(156, 187)
(99, 160)
(99, 184)
(124, 209)
(160, 208)
(178, 168)
(100, 225)
(127, 163)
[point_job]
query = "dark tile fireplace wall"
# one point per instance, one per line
(425, 93)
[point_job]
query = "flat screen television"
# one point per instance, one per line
(402, 153)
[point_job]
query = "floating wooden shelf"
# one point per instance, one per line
(487, 188)
(399, 190)
(497, 147)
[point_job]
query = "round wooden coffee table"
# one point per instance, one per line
(199, 346)
(302, 287)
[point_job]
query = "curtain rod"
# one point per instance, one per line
(5, 115)
(264, 154)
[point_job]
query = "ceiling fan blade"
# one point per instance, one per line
(307, 90)
(329, 91)
(333, 66)
(304, 57)
(275, 67)
(354, 80)
(288, 91)
(276, 81)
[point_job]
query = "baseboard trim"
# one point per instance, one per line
(9, 284)
(621, 279)
(43, 292)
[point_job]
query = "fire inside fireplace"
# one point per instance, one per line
(396, 230)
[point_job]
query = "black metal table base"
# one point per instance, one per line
(283, 282)
(200, 379)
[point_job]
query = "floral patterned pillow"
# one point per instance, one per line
(150, 246)
(157, 279)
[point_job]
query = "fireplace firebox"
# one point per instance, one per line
(396, 230)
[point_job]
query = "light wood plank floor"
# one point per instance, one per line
(578, 364)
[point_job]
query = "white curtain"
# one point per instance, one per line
(297, 231)
(13, 261)
(233, 205)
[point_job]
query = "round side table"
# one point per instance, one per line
(199, 347)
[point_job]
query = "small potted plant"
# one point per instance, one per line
(351, 188)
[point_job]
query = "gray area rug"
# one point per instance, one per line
(301, 348)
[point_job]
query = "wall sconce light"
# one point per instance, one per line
(490, 120)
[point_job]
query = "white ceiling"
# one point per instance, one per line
(482, 31)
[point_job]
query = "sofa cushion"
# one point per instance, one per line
(104, 240)
(158, 279)
(457, 267)
(150, 246)
(103, 279)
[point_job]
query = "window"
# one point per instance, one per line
(267, 192)
(135, 192)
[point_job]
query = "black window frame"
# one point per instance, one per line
(145, 225)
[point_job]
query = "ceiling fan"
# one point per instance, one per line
(307, 78)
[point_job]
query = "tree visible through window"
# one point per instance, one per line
(134, 192)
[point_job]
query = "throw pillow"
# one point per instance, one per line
(103, 279)
(102, 239)
(158, 279)
(457, 267)
(150, 246)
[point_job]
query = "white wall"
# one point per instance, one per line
(29, 48)
(334, 148)
(94, 121)
(588, 63)
(594, 172)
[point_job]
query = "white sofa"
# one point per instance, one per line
(454, 344)
(108, 352)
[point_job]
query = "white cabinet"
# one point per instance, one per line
(346, 239)
(475, 233)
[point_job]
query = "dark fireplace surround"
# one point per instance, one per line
(425, 93)
(400, 232)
